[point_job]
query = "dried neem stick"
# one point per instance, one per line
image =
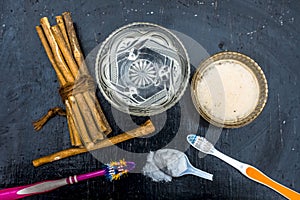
(58, 156)
(88, 96)
(71, 63)
(74, 136)
(65, 71)
(58, 57)
(145, 129)
(78, 93)
(71, 123)
(75, 47)
(61, 25)
(60, 22)
(78, 55)
(87, 114)
(75, 141)
(50, 55)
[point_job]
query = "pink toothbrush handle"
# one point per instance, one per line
(258, 176)
(32, 189)
(45, 186)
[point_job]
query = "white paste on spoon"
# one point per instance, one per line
(163, 164)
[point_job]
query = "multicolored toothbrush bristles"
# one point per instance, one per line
(117, 169)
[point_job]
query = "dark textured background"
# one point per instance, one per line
(266, 30)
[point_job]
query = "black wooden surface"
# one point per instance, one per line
(268, 31)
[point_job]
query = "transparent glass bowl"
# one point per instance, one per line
(142, 69)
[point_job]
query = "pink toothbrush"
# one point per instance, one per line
(112, 171)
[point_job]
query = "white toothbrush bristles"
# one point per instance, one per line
(204, 145)
(201, 144)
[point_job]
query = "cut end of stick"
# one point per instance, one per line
(59, 19)
(66, 13)
(44, 20)
(38, 28)
(150, 126)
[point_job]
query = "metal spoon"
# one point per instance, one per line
(175, 163)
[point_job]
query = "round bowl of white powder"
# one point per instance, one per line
(229, 90)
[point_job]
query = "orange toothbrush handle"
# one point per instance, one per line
(260, 177)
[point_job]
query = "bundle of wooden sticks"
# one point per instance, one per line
(83, 111)
(87, 124)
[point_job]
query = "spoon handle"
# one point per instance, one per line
(197, 172)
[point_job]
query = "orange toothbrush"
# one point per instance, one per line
(205, 146)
